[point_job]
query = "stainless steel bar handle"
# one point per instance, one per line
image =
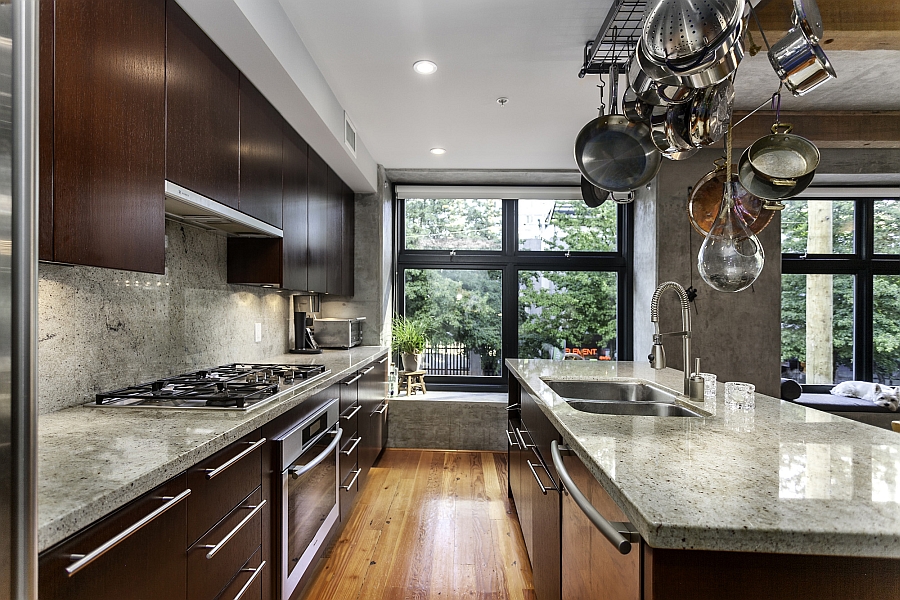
(544, 489)
(214, 549)
(353, 412)
(380, 411)
(609, 530)
(210, 473)
(352, 481)
(298, 471)
(83, 560)
(522, 443)
(512, 407)
(354, 380)
(352, 447)
(509, 437)
(250, 581)
(383, 360)
(367, 370)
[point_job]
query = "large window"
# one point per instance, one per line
(840, 299)
(528, 277)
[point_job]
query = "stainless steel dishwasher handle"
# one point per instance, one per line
(210, 473)
(614, 532)
(214, 548)
(354, 380)
(83, 560)
(250, 581)
(353, 412)
(544, 489)
(298, 471)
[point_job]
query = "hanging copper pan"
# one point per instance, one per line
(706, 197)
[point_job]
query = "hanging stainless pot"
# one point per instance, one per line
(808, 18)
(657, 90)
(614, 153)
(800, 63)
(759, 186)
(635, 108)
(710, 113)
(669, 131)
(782, 158)
(706, 198)
(591, 194)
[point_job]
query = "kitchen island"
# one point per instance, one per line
(755, 498)
(91, 461)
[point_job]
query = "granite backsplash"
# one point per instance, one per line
(101, 328)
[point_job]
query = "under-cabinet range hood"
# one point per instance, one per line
(195, 209)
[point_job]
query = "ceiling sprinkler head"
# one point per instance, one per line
(502, 100)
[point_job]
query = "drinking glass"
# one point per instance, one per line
(740, 395)
(709, 386)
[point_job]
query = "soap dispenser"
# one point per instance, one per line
(697, 391)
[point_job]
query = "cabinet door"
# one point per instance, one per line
(348, 223)
(372, 393)
(202, 111)
(109, 123)
(335, 244)
(295, 202)
(45, 132)
(261, 156)
(148, 564)
(591, 566)
(318, 222)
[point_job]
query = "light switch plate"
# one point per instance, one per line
(258, 332)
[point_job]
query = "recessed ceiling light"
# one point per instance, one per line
(438, 151)
(424, 67)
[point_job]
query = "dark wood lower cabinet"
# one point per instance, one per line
(148, 564)
(372, 415)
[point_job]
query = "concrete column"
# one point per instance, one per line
(373, 262)
(819, 301)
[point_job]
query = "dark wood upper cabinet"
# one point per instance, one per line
(348, 223)
(295, 198)
(318, 222)
(45, 134)
(203, 133)
(335, 233)
(109, 119)
(261, 156)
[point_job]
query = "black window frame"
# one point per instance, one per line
(510, 260)
(864, 264)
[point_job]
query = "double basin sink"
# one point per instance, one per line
(622, 397)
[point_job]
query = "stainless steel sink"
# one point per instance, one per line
(639, 409)
(626, 397)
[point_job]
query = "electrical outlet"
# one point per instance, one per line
(258, 332)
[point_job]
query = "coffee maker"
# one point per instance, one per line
(303, 338)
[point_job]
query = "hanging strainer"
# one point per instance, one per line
(679, 32)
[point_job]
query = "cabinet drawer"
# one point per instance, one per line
(247, 584)
(349, 453)
(349, 420)
(219, 485)
(218, 556)
(147, 564)
(348, 490)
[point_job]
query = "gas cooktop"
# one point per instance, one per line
(238, 386)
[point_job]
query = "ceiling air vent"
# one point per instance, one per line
(349, 134)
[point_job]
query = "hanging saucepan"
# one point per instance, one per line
(669, 131)
(710, 113)
(634, 108)
(706, 198)
(782, 158)
(799, 63)
(758, 186)
(809, 19)
(614, 153)
(592, 195)
(658, 92)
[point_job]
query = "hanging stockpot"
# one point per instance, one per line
(797, 58)
(614, 153)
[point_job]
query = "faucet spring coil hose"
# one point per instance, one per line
(668, 285)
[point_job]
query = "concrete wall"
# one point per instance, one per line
(373, 273)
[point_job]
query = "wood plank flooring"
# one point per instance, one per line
(429, 525)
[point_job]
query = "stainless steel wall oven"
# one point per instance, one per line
(309, 486)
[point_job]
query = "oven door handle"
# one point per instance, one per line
(298, 471)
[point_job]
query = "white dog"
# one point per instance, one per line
(882, 395)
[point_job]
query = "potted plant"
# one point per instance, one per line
(409, 339)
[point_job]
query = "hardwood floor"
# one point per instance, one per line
(429, 524)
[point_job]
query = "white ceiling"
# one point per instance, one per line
(527, 50)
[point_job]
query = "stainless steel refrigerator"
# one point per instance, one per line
(18, 299)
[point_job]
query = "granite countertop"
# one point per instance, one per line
(780, 478)
(91, 461)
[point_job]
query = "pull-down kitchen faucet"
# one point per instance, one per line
(693, 383)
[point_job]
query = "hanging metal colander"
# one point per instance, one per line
(685, 34)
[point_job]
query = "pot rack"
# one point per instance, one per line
(617, 39)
